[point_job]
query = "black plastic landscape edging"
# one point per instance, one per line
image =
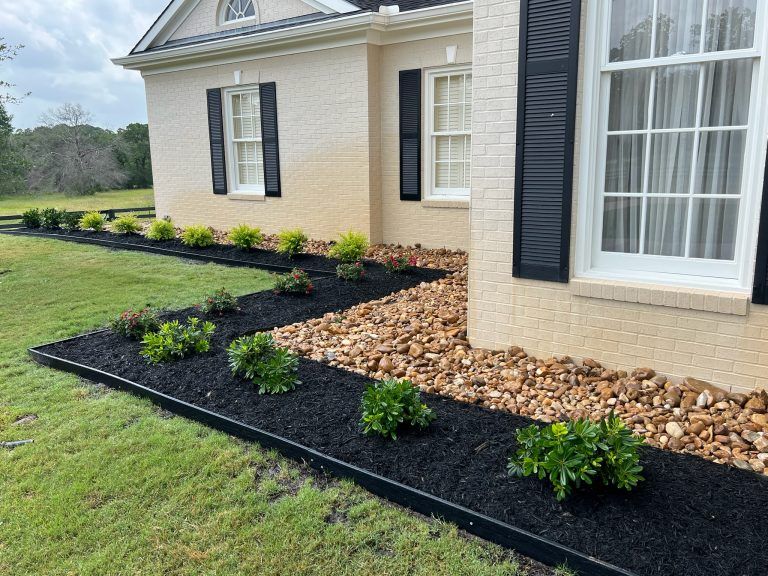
(167, 252)
(522, 541)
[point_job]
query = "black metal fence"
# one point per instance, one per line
(145, 212)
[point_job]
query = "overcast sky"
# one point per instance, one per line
(68, 44)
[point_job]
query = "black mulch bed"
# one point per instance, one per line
(690, 518)
(254, 256)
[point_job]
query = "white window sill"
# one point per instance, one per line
(249, 196)
(434, 202)
(684, 298)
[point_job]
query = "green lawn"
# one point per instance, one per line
(113, 485)
(11, 205)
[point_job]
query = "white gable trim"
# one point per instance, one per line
(178, 10)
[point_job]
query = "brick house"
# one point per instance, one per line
(616, 150)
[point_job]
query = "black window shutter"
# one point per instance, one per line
(548, 76)
(410, 135)
(760, 293)
(269, 139)
(216, 134)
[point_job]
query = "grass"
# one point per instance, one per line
(12, 205)
(112, 485)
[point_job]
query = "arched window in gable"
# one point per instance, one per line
(239, 10)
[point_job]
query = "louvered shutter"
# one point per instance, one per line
(216, 135)
(548, 76)
(269, 139)
(410, 135)
(760, 293)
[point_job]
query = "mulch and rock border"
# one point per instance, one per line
(689, 517)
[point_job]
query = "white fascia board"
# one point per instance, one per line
(367, 27)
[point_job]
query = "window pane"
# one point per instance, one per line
(457, 148)
(679, 27)
(671, 163)
(442, 175)
(441, 118)
(727, 93)
(676, 91)
(730, 24)
(666, 224)
(625, 163)
(468, 103)
(713, 233)
(441, 90)
(455, 117)
(720, 162)
(628, 109)
(442, 148)
(236, 110)
(456, 87)
(621, 225)
(631, 23)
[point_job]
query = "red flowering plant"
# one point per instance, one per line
(135, 324)
(295, 282)
(351, 272)
(219, 303)
(399, 263)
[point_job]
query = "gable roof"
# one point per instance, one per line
(178, 10)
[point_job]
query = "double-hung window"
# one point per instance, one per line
(246, 166)
(449, 138)
(676, 151)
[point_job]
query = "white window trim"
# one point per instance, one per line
(222, 16)
(233, 180)
(428, 147)
(592, 152)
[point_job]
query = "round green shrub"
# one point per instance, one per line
(291, 242)
(351, 247)
(128, 224)
(197, 236)
(71, 220)
(32, 218)
(161, 231)
(93, 221)
(51, 218)
(245, 237)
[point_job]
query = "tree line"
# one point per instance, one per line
(66, 152)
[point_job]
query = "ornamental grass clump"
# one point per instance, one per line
(351, 272)
(291, 243)
(197, 236)
(245, 237)
(220, 302)
(174, 340)
(94, 221)
(350, 248)
(32, 218)
(295, 282)
(399, 264)
(274, 370)
(128, 224)
(578, 452)
(135, 324)
(161, 231)
(388, 404)
(51, 218)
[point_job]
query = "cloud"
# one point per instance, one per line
(68, 46)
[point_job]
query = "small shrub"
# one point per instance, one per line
(161, 231)
(399, 264)
(291, 242)
(93, 221)
(197, 237)
(71, 220)
(128, 224)
(220, 302)
(388, 404)
(135, 324)
(351, 247)
(351, 272)
(295, 282)
(274, 370)
(245, 237)
(32, 218)
(174, 341)
(577, 452)
(51, 218)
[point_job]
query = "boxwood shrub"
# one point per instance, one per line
(32, 218)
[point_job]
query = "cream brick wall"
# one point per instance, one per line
(323, 117)
(728, 347)
(415, 222)
(204, 18)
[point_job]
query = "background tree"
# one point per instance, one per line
(8, 52)
(132, 153)
(13, 166)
